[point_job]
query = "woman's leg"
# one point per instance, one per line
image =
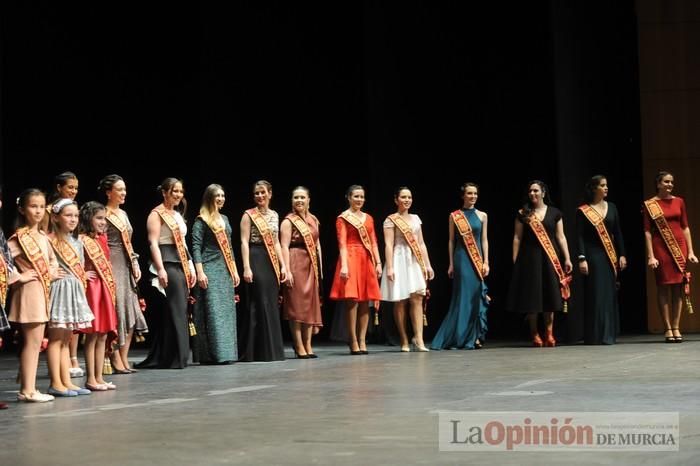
(362, 323)
(299, 347)
(54, 357)
(664, 301)
(124, 350)
(91, 367)
(416, 301)
(306, 332)
(549, 329)
(676, 309)
(100, 344)
(351, 317)
(400, 319)
(74, 351)
(532, 322)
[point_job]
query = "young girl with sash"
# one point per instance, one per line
(301, 251)
(669, 249)
(101, 293)
(465, 323)
(69, 307)
(65, 186)
(357, 272)
(601, 258)
(30, 284)
(173, 276)
(407, 269)
(263, 271)
(540, 280)
(217, 276)
(126, 271)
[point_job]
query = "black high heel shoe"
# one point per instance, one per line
(669, 338)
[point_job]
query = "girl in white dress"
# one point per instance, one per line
(407, 268)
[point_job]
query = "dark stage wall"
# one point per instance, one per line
(326, 95)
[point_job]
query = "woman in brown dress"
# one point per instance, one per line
(301, 252)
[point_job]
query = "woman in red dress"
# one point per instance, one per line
(669, 276)
(357, 272)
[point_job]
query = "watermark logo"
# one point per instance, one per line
(558, 431)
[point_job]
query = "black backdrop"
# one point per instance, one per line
(327, 94)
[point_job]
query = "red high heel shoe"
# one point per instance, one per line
(550, 341)
(536, 340)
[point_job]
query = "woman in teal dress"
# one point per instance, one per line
(215, 307)
(464, 325)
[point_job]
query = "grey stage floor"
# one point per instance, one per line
(342, 409)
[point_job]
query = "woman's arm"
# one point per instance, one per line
(245, 248)
(285, 240)
(561, 239)
(424, 251)
(389, 250)
(517, 238)
(153, 225)
(197, 249)
(485, 244)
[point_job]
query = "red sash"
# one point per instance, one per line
(598, 223)
(34, 254)
(225, 246)
(542, 236)
(103, 266)
(657, 215)
(364, 235)
(301, 225)
(70, 256)
(3, 280)
(170, 221)
(268, 239)
(405, 229)
(465, 230)
(116, 220)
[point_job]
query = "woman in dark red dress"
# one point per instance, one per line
(357, 272)
(667, 212)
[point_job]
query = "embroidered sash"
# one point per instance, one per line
(225, 246)
(598, 223)
(268, 240)
(542, 236)
(116, 220)
(34, 254)
(364, 235)
(103, 266)
(657, 215)
(170, 221)
(70, 256)
(465, 230)
(405, 229)
(305, 232)
(3, 280)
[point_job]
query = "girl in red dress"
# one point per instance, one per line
(93, 223)
(357, 272)
(669, 278)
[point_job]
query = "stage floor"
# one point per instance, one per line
(340, 409)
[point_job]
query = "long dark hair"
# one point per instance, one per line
(60, 180)
(22, 201)
(167, 185)
(108, 182)
(87, 212)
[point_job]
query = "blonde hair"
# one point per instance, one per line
(209, 213)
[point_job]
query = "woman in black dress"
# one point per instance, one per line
(601, 258)
(537, 285)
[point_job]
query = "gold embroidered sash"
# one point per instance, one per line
(465, 231)
(34, 254)
(70, 256)
(364, 235)
(541, 234)
(116, 220)
(3, 280)
(268, 239)
(305, 232)
(170, 221)
(598, 223)
(657, 215)
(225, 246)
(405, 229)
(103, 266)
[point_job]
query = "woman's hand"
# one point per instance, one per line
(203, 280)
(390, 273)
(485, 270)
(583, 267)
(136, 270)
(236, 279)
(653, 262)
(283, 274)
(344, 275)
(568, 266)
(290, 280)
(431, 273)
(91, 275)
(28, 276)
(163, 278)
(451, 271)
(378, 269)
(692, 259)
(247, 275)
(622, 263)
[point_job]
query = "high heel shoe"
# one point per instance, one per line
(301, 356)
(669, 338)
(679, 337)
(536, 340)
(549, 340)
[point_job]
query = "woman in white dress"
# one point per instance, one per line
(407, 268)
